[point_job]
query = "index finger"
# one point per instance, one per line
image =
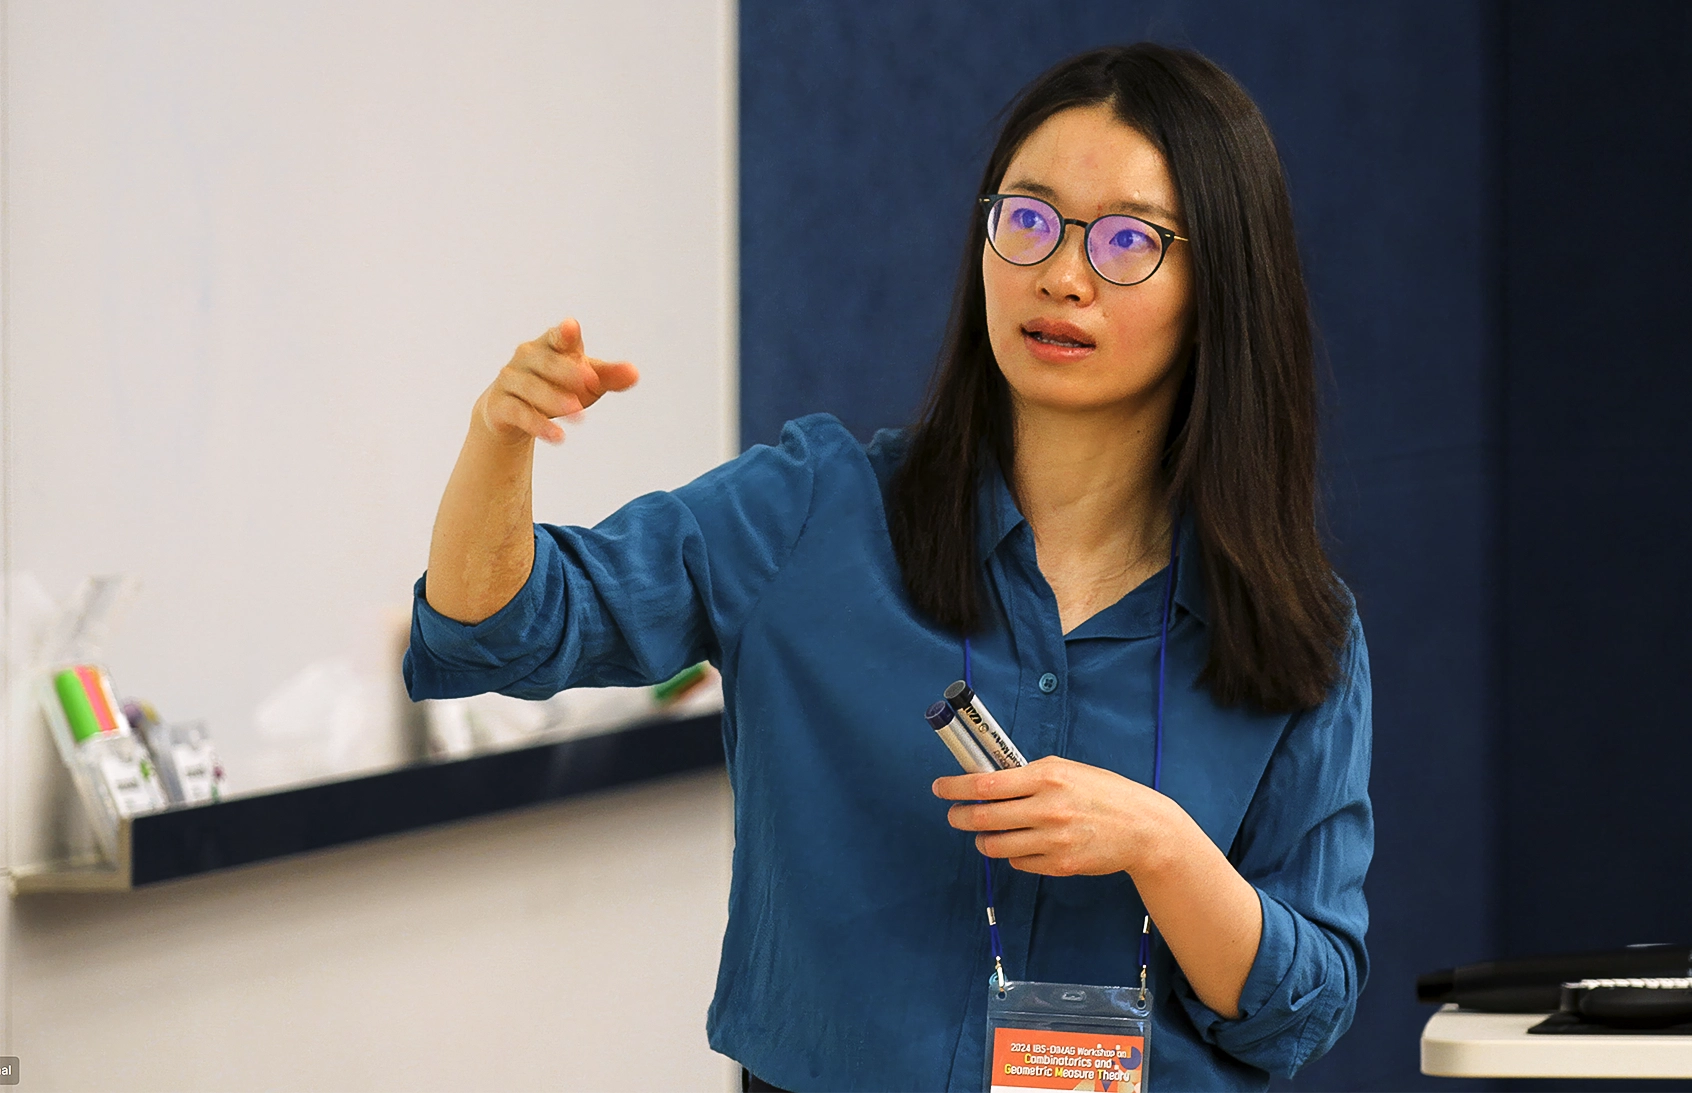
(615, 375)
(999, 785)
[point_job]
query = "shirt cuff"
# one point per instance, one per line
(452, 659)
(1275, 952)
(1269, 1031)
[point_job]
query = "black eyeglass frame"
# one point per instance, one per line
(1166, 235)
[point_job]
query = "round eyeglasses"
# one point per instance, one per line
(1026, 231)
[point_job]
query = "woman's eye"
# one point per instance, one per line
(1027, 220)
(1129, 239)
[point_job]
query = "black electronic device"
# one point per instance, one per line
(1535, 984)
(1622, 1006)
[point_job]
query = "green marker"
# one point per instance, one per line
(681, 683)
(78, 710)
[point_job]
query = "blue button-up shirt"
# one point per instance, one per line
(856, 954)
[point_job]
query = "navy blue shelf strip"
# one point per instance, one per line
(186, 842)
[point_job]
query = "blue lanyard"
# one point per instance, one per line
(1157, 770)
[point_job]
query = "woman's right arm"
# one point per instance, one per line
(483, 544)
(666, 581)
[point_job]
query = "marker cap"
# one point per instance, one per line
(939, 716)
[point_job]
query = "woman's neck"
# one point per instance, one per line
(1091, 476)
(1091, 486)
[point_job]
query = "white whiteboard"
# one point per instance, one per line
(262, 257)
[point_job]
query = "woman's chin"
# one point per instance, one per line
(1077, 406)
(1068, 392)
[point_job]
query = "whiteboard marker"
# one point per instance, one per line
(958, 740)
(993, 740)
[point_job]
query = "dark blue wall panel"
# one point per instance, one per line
(1599, 473)
(1597, 529)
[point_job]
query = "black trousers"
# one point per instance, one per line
(751, 1083)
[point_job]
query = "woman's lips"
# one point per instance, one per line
(1054, 348)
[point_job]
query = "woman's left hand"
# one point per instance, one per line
(1061, 818)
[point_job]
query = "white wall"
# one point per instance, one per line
(259, 259)
(544, 950)
(264, 256)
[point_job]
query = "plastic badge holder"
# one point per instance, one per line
(1067, 1036)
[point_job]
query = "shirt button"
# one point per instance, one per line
(1048, 683)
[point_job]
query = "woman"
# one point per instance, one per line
(1111, 495)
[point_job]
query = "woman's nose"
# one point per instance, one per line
(1066, 274)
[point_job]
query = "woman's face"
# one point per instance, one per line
(1065, 337)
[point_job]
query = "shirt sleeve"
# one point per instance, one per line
(663, 583)
(1305, 844)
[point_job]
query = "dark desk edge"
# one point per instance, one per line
(246, 830)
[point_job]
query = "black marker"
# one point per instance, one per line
(974, 715)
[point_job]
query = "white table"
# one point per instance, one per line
(1459, 1044)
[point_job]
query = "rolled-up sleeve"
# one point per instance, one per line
(664, 582)
(1305, 844)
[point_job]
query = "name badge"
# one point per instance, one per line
(1066, 1036)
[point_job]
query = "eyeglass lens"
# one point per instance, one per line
(1025, 231)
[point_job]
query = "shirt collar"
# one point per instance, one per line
(1189, 573)
(999, 516)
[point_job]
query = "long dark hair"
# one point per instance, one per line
(1241, 450)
